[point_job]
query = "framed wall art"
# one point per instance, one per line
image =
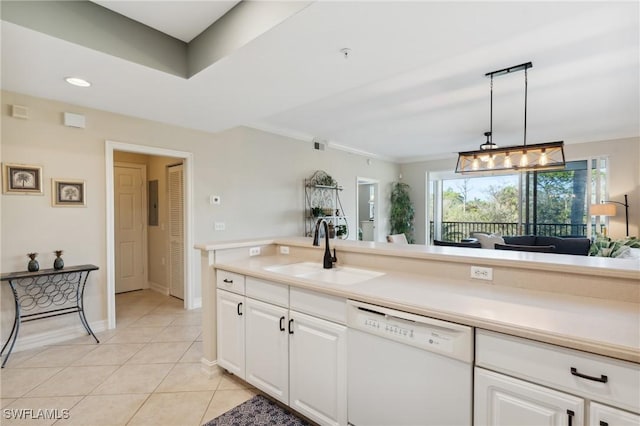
(22, 179)
(68, 193)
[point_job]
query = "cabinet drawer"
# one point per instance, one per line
(601, 415)
(268, 291)
(595, 377)
(230, 281)
(324, 306)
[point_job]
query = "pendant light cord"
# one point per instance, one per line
(525, 106)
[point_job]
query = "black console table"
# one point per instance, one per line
(47, 293)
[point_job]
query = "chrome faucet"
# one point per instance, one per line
(328, 260)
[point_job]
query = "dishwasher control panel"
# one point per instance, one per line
(431, 334)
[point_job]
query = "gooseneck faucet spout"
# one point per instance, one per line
(328, 260)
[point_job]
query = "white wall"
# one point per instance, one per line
(624, 156)
(258, 175)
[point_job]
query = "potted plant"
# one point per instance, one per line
(402, 211)
(316, 211)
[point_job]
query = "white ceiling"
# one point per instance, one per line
(413, 86)
(183, 20)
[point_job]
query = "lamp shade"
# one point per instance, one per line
(602, 209)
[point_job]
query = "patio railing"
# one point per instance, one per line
(455, 231)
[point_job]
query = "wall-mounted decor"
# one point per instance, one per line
(22, 179)
(68, 193)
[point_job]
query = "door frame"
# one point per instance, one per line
(376, 208)
(145, 243)
(189, 261)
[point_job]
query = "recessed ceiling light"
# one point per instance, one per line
(76, 81)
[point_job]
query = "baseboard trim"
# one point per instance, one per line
(209, 367)
(159, 288)
(52, 337)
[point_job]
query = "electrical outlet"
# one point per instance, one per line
(254, 251)
(284, 249)
(219, 226)
(481, 273)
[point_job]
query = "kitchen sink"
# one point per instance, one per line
(295, 269)
(343, 275)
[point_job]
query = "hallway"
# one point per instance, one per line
(145, 372)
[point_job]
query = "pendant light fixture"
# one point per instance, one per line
(491, 158)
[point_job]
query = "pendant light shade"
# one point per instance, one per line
(490, 158)
(542, 156)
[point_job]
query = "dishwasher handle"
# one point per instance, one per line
(371, 311)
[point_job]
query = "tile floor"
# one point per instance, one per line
(145, 372)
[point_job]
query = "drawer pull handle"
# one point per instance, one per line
(290, 324)
(570, 414)
(282, 323)
(601, 379)
(228, 281)
(603, 423)
(239, 308)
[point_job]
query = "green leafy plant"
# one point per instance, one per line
(606, 247)
(402, 211)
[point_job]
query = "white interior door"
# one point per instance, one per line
(176, 231)
(130, 227)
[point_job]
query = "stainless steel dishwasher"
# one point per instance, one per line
(406, 369)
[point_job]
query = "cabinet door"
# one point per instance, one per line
(503, 400)
(267, 347)
(318, 369)
(601, 415)
(230, 327)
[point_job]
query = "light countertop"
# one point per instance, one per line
(584, 265)
(605, 327)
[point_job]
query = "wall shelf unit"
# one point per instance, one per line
(322, 200)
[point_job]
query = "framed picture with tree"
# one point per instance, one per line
(68, 193)
(22, 179)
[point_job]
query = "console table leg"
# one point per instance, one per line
(83, 318)
(13, 336)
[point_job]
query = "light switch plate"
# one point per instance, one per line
(219, 226)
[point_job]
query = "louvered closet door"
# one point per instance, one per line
(176, 231)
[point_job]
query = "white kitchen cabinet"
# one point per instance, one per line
(297, 358)
(230, 327)
(602, 415)
(318, 369)
(267, 348)
(517, 378)
(504, 401)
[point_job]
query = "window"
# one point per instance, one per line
(550, 203)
